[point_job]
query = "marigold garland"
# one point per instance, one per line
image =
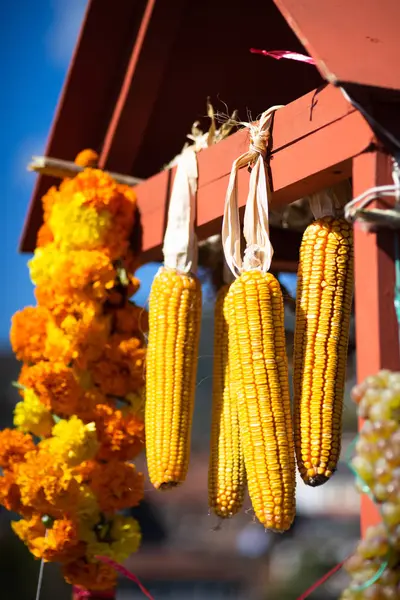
(65, 467)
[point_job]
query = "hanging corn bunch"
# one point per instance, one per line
(324, 298)
(257, 345)
(174, 325)
(174, 329)
(226, 475)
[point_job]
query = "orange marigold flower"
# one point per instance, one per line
(117, 484)
(10, 496)
(55, 385)
(80, 341)
(121, 435)
(44, 236)
(131, 319)
(58, 543)
(46, 485)
(90, 575)
(87, 158)
(14, 445)
(120, 369)
(62, 305)
(87, 404)
(28, 333)
(47, 202)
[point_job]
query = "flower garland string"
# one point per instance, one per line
(66, 467)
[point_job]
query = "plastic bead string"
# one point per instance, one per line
(365, 490)
(354, 210)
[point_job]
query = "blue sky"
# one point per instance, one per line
(36, 44)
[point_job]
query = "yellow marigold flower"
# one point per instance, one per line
(28, 333)
(58, 543)
(47, 485)
(59, 346)
(87, 158)
(76, 226)
(90, 575)
(117, 484)
(88, 271)
(14, 445)
(96, 190)
(31, 416)
(118, 538)
(87, 508)
(73, 442)
(121, 435)
(55, 385)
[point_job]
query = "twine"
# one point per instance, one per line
(259, 251)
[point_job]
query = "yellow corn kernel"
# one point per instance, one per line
(226, 474)
(261, 380)
(323, 309)
(171, 366)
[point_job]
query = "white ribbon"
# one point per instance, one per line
(180, 240)
(330, 201)
(259, 251)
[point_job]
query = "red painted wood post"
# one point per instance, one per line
(376, 325)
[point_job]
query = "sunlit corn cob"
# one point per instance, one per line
(226, 475)
(174, 327)
(260, 375)
(324, 298)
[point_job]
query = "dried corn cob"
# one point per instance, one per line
(324, 297)
(260, 375)
(174, 327)
(226, 475)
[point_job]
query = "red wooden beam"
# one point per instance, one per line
(89, 92)
(323, 121)
(349, 43)
(139, 92)
(376, 324)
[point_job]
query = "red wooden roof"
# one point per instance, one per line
(142, 71)
(352, 41)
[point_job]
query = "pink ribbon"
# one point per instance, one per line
(81, 593)
(123, 571)
(278, 54)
